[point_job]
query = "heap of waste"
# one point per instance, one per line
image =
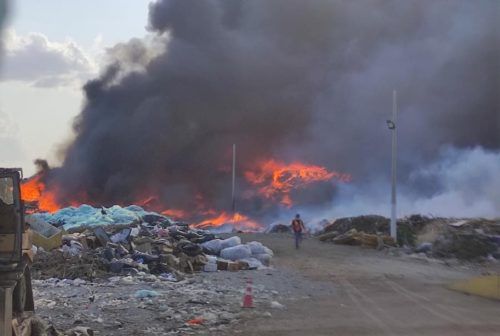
(367, 231)
(279, 228)
(436, 237)
(87, 242)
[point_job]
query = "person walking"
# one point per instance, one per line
(297, 228)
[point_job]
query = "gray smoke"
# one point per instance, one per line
(285, 79)
(3, 16)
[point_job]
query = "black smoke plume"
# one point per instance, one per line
(285, 79)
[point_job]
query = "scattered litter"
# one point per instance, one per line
(277, 305)
(144, 293)
(196, 321)
(168, 277)
(122, 236)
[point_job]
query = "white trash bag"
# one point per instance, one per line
(256, 247)
(253, 263)
(230, 242)
(264, 258)
(236, 252)
(213, 246)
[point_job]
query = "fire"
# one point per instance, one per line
(276, 179)
(34, 190)
(175, 213)
(273, 180)
(153, 203)
(237, 220)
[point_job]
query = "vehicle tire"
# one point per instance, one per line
(20, 294)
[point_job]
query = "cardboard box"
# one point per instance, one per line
(233, 267)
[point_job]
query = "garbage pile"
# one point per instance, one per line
(354, 237)
(465, 239)
(87, 242)
(367, 231)
(279, 228)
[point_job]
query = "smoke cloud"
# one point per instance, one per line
(291, 80)
(3, 16)
(460, 183)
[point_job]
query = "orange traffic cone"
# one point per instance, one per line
(248, 297)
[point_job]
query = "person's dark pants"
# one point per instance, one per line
(298, 239)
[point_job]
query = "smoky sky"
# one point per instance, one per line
(3, 15)
(286, 79)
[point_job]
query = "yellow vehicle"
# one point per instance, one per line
(16, 256)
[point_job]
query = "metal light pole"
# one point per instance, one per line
(233, 197)
(392, 126)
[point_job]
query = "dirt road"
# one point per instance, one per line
(342, 290)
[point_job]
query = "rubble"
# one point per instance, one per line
(368, 231)
(465, 239)
(280, 228)
(102, 251)
(354, 237)
(100, 242)
(34, 326)
(367, 224)
(146, 304)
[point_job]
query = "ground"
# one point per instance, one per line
(325, 289)
(366, 292)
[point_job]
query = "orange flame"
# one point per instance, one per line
(175, 213)
(237, 220)
(273, 180)
(34, 190)
(276, 179)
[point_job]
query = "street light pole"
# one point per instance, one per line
(233, 197)
(392, 126)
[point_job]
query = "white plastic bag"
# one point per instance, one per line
(253, 263)
(236, 252)
(213, 246)
(256, 247)
(268, 251)
(264, 258)
(230, 242)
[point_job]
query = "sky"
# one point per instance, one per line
(51, 48)
(354, 61)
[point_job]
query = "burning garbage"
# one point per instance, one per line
(276, 180)
(267, 187)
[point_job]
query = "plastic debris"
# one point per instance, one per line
(196, 321)
(236, 252)
(277, 305)
(145, 293)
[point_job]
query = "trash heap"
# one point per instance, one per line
(464, 239)
(279, 228)
(367, 231)
(87, 242)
